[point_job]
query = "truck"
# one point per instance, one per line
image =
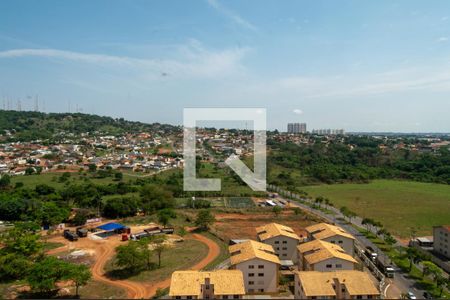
(384, 265)
(71, 236)
(370, 253)
(82, 232)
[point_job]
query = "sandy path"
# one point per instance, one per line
(135, 290)
(104, 253)
(213, 253)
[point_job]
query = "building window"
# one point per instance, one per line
(225, 297)
(278, 248)
(340, 242)
(251, 283)
(329, 266)
(338, 266)
(189, 297)
(359, 297)
(284, 255)
(178, 297)
(236, 296)
(260, 274)
(284, 248)
(284, 242)
(207, 287)
(261, 267)
(251, 274)
(333, 242)
(251, 266)
(277, 242)
(261, 290)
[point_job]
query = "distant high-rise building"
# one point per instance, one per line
(328, 131)
(296, 128)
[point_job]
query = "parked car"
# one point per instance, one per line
(411, 295)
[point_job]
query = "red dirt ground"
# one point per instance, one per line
(104, 251)
(243, 226)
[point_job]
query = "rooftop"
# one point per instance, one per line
(318, 250)
(321, 283)
(188, 283)
(250, 250)
(273, 230)
(324, 230)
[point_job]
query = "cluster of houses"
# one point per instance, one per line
(323, 267)
(387, 143)
(139, 152)
(225, 142)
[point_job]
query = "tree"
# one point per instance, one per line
(29, 171)
(367, 222)
(130, 256)
(51, 214)
(80, 218)
(165, 215)
(80, 275)
(118, 176)
(22, 240)
(412, 254)
(13, 266)
(159, 248)
(204, 219)
(92, 168)
(154, 197)
(120, 207)
(46, 272)
(44, 189)
(429, 268)
(297, 211)
(143, 247)
(276, 210)
(441, 282)
(319, 200)
(5, 181)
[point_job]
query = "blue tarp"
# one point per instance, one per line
(111, 226)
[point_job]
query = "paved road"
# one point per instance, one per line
(399, 284)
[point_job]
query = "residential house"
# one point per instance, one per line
(283, 239)
(441, 238)
(332, 234)
(259, 264)
(335, 285)
(318, 255)
(221, 284)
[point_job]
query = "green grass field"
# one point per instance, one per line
(399, 205)
(179, 257)
(51, 179)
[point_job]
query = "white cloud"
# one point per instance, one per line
(196, 61)
(297, 111)
(231, 15)
(442, 39)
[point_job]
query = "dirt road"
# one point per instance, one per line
(104, 251)
(213, 253)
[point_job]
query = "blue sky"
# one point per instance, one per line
(358, 65)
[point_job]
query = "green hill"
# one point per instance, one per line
(29, 125)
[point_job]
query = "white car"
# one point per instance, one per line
(411, 295)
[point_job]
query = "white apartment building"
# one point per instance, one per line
(332, 234)
(259, 265)
(282, 238)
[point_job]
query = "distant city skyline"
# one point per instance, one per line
(361, 66)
